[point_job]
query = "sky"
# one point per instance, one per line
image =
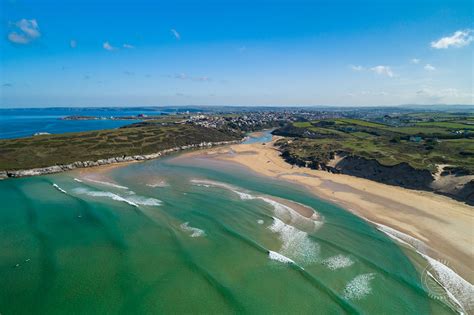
(229, 52)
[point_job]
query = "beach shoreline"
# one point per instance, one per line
(443, 225)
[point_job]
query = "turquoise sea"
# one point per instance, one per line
(193, 236)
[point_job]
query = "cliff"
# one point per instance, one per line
(452, 182)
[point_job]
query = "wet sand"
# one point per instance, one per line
(445, 226)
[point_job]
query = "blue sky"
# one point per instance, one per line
(117, 53)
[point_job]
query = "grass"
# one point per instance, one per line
(48, 150)
(314, 141)
(446, 124)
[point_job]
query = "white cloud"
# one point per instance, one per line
(415, 61)
(73, 43)
(175, 34)
(356, 68)
(183, 76)
(429, 67)
(128, 46)
(107, 46)
(29, 27)
(458, 39)
(382, 70)
(18, 38)
(25, 31)
(443, 94)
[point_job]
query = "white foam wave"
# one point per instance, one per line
(59, 188)
(279, 257)
(359, 287)
(195, 232)
(338, 262)
(106, 194)
(260, 222)
(296, 244)
(244, 196)
(283, 212)
(106, 183)
(459, 291)
(132, 199)
(145, 201)
(78, 180)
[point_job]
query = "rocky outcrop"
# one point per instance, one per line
(113, 160)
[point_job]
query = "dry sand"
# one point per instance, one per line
(446, 226)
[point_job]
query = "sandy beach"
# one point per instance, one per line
(444, 225)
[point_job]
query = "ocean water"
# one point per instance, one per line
(264, 136)
(25, 122)
(189, 235)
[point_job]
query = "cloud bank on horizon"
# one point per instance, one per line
(388, 54)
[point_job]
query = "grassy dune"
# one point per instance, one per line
(435, 142)
(48, 150)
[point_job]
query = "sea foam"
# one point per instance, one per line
(459, 291)
(296, 244)
(359, 287)
(338, 262)
(194, 232)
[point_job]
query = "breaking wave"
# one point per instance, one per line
(459, 291)
(194, 232)
(359, 287)
(283, 212)
(59, 188)
(279, 257)
(133, 200)
(296, 244)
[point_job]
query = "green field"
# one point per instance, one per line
(423, 145)
(147, 138)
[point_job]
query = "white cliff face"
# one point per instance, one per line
(112, 160)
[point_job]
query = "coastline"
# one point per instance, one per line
(443, 225)
(123, 160)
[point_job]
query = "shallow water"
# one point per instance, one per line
(264, 136)
(208, 239)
